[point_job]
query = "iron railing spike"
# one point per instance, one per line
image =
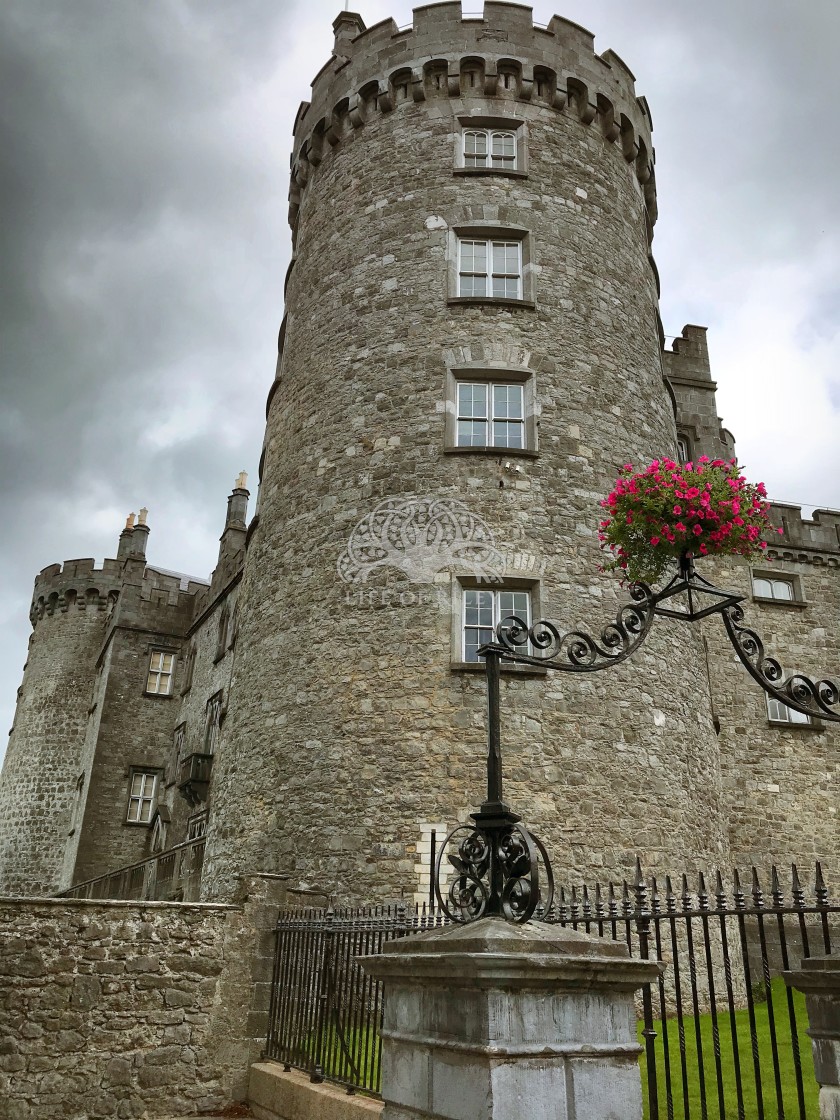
(639, 876)
(820, 889)
(795, 884)
(758, 896)
(776, 892)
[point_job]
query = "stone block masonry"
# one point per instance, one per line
(123, 1009)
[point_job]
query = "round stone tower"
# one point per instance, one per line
(471, 348)
(45, 756)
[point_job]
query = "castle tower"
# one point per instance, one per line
(39, 791)
(470, 349)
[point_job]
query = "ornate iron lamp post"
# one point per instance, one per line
(497, 865)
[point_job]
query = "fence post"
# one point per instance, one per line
(492, 1020)
(819, 979)
(643, 916)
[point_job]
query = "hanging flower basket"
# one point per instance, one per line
(673, 509)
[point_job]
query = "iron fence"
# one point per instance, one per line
(325, 1014)
(171, 875)
(723, 1036)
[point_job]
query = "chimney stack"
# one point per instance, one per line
(140, 535)
(126, 545)
(237, 507)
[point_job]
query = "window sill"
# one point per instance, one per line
(496, 452)
(493, 301)
(503, 172)
(768, 601)
(506, 667)
(137, 824)
(786, 725)
(158, 695)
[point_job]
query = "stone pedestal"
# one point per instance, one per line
(819, 979)
(496, 1021)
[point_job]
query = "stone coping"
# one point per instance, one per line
(116, 903)
(278, 1094)
(492, 952)
(817, 976)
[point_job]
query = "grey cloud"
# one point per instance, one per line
(144, 241)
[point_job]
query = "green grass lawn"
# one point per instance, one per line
(790, 1100)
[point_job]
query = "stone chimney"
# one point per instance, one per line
(232, 540)
(140, 535)
(237, 508)
(126, 546)
(346, 25)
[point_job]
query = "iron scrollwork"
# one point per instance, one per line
(494, 869)
(813, 698)
(577, 651)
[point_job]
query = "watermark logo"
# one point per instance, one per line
(421, 537)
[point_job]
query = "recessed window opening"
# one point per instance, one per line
(774, 588)
(490, 268)
(781, 713)
(141, 797)
(484, 610)
(488, 147)
(490, 415)
(159, 680)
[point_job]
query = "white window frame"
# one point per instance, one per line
(141, 793)
(498, 613)
(778, 712)
(490, 136)
(773, 584)
(489, 274)
(683, 442)
(491, 375)
(489, 418)
(161, 672)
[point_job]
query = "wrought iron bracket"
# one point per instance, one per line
(689, 598)
(496, 865)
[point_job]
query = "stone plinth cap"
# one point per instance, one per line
(492, 952)
(816, 976)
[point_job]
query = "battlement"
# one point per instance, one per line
(443, 54)
(803, 539)
(688, 359)
(80, 585)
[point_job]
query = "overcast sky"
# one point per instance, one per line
(143, 245)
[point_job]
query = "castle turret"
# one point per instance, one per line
(42, 784)
(469, 351)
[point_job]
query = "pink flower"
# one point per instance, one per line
(654, 541)
(679, 527)
(677, 511)
(698, 529)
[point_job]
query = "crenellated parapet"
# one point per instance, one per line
(76, 585)
(444, 55)
(814, 540)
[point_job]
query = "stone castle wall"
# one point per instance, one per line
(133, 729)
(116, 1010)
(353, 695)
(782, 781)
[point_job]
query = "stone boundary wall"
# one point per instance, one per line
(124, 1010)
